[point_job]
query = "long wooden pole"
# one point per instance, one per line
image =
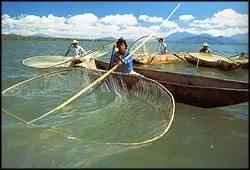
(102, 77)
(197, 63)
(68, 50)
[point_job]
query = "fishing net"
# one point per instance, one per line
(62, 61)
(122, 109)
(57, 61)
(147, 51)
(47, 61)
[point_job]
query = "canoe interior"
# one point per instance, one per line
(157, 58)
(212, 61)
(241, 59)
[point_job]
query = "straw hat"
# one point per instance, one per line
(74, 42)
(205, 44)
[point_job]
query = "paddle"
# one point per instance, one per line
(157, 52)
(70, 59)
(178, 56)
(232, 60)
(68, 50)
(111, 56)
(101, 77)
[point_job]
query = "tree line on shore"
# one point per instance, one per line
(32, 38)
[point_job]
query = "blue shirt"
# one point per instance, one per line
(127, 64)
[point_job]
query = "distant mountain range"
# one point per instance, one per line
(186, 37)
(183, 37)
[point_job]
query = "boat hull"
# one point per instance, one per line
(212, 61)
(241, 59)
(200, 91)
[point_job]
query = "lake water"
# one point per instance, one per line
(198, 137)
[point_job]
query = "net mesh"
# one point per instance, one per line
(47, 61)
(147, 51)
(62, 61)
(57, 61)
(121, 109)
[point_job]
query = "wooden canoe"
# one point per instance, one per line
(200, 91)
(157, 59)
(241, 59)
(212, 60)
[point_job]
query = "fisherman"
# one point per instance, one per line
(162, 46)
(205, 48)
(242, 55)
(77, 51)
(120, 58)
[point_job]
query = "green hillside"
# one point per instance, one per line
(31, 38)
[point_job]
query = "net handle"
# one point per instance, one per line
(113, 49)
(153, 32)
(68, 50)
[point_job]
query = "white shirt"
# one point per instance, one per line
(162, 48)
(78, 51)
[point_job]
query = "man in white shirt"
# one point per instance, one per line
(162, 46)
(76, 49)
(77, 52)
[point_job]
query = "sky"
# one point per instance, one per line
(128, 19)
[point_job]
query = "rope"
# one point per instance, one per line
(232, 61)
(178, 56)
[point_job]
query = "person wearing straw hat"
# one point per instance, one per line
(205, 48)
(120, 57)
(77, 51)
(163, 46)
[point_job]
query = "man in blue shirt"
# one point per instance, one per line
(119, 57)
